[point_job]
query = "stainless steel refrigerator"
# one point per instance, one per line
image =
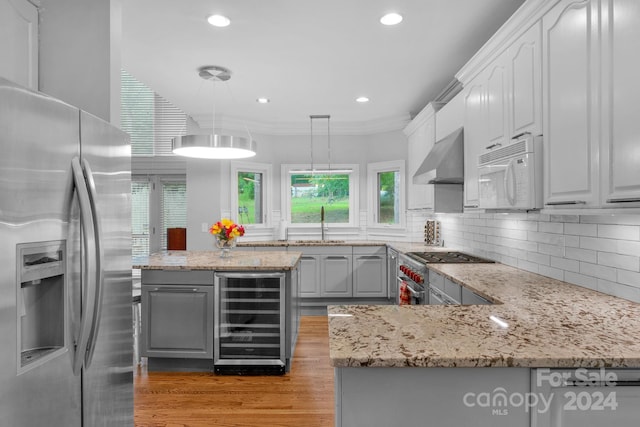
(65, 265)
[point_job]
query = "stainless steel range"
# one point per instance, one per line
(446, 257)
(413, 275)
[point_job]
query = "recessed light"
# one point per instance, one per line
(219, 20)
(362, 99)
(263, 100)
(391, 19)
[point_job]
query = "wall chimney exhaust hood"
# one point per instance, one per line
(446, 158)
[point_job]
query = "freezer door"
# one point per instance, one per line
(108, 373)
(38, 137)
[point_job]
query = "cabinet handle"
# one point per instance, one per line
(497, 144)
(175, 290)
(568, 202)
(307, 257)
(337, 257)
(370, 257)
(471, 206)
(624, 200)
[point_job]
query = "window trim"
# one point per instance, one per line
(266, 170)
(373, 169)
(354, 193)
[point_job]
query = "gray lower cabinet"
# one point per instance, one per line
(369, 272)
(335, 274)
(177, 314)
(309, 275)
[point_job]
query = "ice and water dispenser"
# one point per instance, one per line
(40, 301)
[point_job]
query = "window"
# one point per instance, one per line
(386, 193)
(250, 200)
(305, 193)
(158, 203)
(149, 119)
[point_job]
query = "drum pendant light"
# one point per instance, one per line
(214, 146)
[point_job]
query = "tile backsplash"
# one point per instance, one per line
(601, 252)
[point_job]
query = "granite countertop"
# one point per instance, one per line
(327, 242)
(550, 324)
(210, 260)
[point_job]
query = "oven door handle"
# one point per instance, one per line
(417, 294)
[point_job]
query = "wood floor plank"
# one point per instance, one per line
(302, 397)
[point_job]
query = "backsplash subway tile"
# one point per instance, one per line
(600, 252)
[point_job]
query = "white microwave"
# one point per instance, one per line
(510, 177)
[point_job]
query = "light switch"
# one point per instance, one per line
(205, 227)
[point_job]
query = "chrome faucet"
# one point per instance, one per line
(322, 223)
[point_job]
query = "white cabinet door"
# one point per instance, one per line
(497, 102)
(525, 83)
(370, 272)
(620, 153)
(19, 42)
(475, 139)
(569, 100)
(336, 276)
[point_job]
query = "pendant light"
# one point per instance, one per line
(214, 146)
(313, 169)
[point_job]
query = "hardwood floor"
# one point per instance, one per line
(303, 397)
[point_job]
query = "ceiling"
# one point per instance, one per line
(307, 57)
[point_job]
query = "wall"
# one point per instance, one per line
(208, 189)
(600, 252)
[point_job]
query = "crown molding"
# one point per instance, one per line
(527, 15)
(365, 127)
(427, 112)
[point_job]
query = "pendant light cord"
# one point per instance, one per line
(328, 118)
(233, 100)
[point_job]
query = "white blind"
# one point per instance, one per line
(140, 190)
(149, 119)
(173, 207)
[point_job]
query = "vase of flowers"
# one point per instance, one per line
(226, 233)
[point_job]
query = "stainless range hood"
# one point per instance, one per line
(444, 167)
(446, 158)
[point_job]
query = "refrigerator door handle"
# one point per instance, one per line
(89, 266)
(99, 273)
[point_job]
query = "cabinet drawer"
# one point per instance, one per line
(370, 250)
(177, 277)
(436, 280)
(453, 290)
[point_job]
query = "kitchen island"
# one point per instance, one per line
(203, 312)
(493, 365)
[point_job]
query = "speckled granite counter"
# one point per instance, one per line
(327, 242)
(550, 324)
(210, 260)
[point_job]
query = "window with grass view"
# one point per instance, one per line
(310, 192)
(250, 197)
(388, 202)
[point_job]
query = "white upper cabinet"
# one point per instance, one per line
(525, 89)
(570, 64)
(620, 150)
(421, 134)
(475, 138)
(19, 42)
(497, 103)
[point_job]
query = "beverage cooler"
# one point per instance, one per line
(249, 325)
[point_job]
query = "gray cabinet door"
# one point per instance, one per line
(177, 321)
(336, 278)
(369, 272)
(309, 276)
